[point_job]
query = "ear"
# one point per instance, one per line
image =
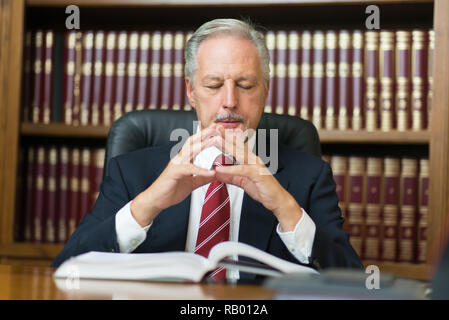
(189, 91)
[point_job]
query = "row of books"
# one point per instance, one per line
(338, 79)
(385, 204)
(58, 185)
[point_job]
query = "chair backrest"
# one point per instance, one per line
(145, 128)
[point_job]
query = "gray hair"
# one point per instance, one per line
(233, 27)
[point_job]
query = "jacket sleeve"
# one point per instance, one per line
(331, 246)
(96, 231)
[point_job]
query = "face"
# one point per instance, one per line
(229, 86)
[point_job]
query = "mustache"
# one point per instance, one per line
(230, 117)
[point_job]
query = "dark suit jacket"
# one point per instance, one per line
(306, 177)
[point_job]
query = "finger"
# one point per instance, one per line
(198, 181)
(237, 170)
(196, 143)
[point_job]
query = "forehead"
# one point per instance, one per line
(227, 53)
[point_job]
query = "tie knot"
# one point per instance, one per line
(223, 160)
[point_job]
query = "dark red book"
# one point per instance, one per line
(357, 114)
(109, 72)
(306, 75)
(178, 72)
(38, 75)
(372, 80)
(419, 80)
(27, 81)
(143, 70)
(155, 70)
(96, 175)
(391, 193)
(86, 77)
(69, 75)
(408, 213)
(76, 113)
(50, 195)
(131, 74)
(331, 80)
(74, 189)
(63, 195)
(373, 210)
(120, 75)
(45, 116)
(167, 70)
(318, 78)
(270, 40)
(294, 62)
(387, 80)
(403, 81)
(98, 77)
(355, 210)
(343, 79)
(423, 210)
(29, 195)
(281, 72)
(39, 195)
(84, 184)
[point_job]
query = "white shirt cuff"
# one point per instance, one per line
(129, 233)
(299, 241)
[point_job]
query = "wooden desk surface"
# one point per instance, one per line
(37, 283)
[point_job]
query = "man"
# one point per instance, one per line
(151, 203)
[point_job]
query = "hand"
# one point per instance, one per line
(253, 176)
(178, 179)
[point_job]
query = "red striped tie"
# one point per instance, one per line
(215, 218)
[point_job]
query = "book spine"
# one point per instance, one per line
(390, 209)
(386, 76)
(30, 193)
(423, 210)
(357, 75)
(331, 80)
(270, 40)
(131, 72)
(45, 116)
(155, 70)
(293, 72)
(50, 197)
(77, 79)
(187, 105)
(142, 78)
(98, 79)
(27, 82)
(430, 74)
(355, 205)
(74, 188)
(37, 76)
(344, 74)
(318, 78)
(57, 78)
(86, 76)
(39, 195)
(408, 214)
(96, 175)
(403, 71)
(63, 197)
(373, 208)
(178, 72)
(167, 70)
(371, 79)
(84, 184)
(120, 75)
(339, 165)
(306, 75)
(419, 77)
(109, 84)
(281, 72)
(69, 77)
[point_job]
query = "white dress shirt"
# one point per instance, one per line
(299, 241)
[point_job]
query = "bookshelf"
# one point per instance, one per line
(20, 15)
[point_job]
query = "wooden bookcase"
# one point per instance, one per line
(19, 15)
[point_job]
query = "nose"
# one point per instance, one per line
(230, 95)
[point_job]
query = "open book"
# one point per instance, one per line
(175, 266)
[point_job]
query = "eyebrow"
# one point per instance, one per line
(239, 79)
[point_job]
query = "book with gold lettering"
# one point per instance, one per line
(120, 75)
(62, 205)
(387, 79)
(143, 70)
(281, 72)
(355, 209)
(50, 196)
(270, 40)
(84, 183)
(47, 67)
(293, 89)
(176, 266)
(86, 77)
(38, 62)
(306, 75)
(419, 80)
(109, 72)
(98, 77)
(373, 209)
(178, 71)
(330, 103)
(371, 64)
(357, 76)
(155, 70)
(403, 72)
(423, 210)
(344, 78)
(73, 189)
(78, 67)
(318, 84)
(39, 195)
(131, 72)
(167, 70)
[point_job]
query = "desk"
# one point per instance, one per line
(37, 283)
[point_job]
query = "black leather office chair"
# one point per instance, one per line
(144, 128)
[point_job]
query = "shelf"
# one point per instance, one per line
(374, 137)
(63, 130)
(31, 250)
(190, 3)
(404, 270)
